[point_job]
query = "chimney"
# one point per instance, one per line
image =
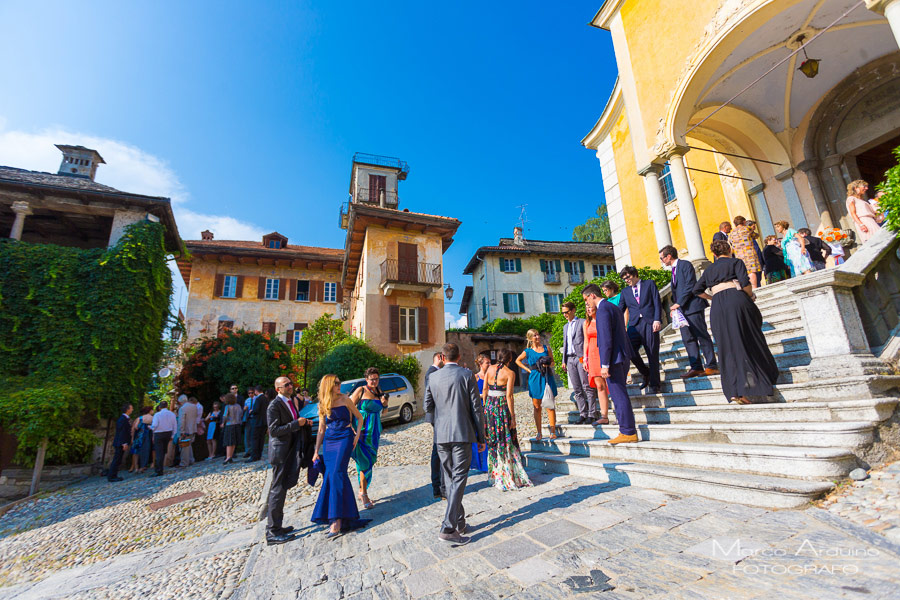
(206, 235)
(79, 161)
(517, 237)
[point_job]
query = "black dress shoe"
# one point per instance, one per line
(111, 479)
(278, 538)
(652, 391)
(154, 474)
(284, 530)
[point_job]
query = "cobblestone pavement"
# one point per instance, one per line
(873, 502)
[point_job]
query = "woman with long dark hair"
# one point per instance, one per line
(507, 472)
(747, 366)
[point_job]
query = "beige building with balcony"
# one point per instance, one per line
(519, 278)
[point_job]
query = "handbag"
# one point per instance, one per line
(549, 400)
(678, 320)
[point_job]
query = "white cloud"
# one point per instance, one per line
(451, 321)
(127, 168)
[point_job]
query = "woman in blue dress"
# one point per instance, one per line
(539, 380)
(334, 443)
(371, 401)
(480, 459)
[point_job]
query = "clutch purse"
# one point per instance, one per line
(312, 473)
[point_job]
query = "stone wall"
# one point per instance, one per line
(15, 482)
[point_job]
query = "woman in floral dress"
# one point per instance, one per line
(741, 240)
(504, 460)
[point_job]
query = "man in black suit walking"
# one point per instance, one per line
(257, 422)
(120, 442)
(641, 298)
(284, 456)
(437, 486)
(696, 335)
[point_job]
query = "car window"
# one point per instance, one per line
(392, 384)
(351, 386)
(310, 411)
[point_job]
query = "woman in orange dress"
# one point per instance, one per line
(593, 367)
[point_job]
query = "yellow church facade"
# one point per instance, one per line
(711, 116)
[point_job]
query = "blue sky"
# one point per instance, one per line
(248, 114)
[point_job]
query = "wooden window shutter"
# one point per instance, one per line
(261, 288)
(502, 265)
(506, 303)
(518, 265)
(521, 302)
(543, 266)
(291, 289)
(289, 337)
(340, 292)
(423, 325)
(581, 266)
(321, 290)
(313, 290)
(546, 302)
(300, 326)
(394, 323)
(268, 327)
(282, 284)
(557, 266)
(220, 286)
(239, 291)
(568, 265)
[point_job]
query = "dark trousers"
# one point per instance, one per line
(436, 485)
(455, 460)
(248, 436)
(639, 335)
(258, 436)
(618, 393)
(818, 265)
(696, 338)
(284, 477)
(116, 461)
(161, 445)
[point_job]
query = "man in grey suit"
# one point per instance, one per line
(584, 396)
(453, 405)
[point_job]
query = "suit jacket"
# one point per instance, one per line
(123, 431)
(720, 237)
(611, 339)
(577, 338)
(452, 398)
(650, 307)
(187, 419)
(429, 418)
(284, 433)
(815, 246)
(258, 411)
(683, 289)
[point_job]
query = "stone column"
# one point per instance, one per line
(761, 208)
(689, 222)
(655, 204)
(834, 330)
(891, 11)
(22, 209)
(811, 169)
(798, 217)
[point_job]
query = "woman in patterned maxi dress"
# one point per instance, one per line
(505, 466)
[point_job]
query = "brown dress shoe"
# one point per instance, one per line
(692, 373)
(623, 439)
(711, 371)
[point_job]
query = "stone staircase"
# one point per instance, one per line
(693, 441)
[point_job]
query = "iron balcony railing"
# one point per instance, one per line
(551, 277)
(402, 271)
(382, 161)
(375, 196)
(576, 278)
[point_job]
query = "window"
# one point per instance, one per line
(268, 328)
(377, 185)
(665, 182)
(602, 270)
(514, 303)
(275, 244)
(302, 290)
(484, 308)
(391, 384)
(223, 325)
(510, 265)
(229, 286)
(330, 291)
(297, 336)
(409, 326)
(272, 289)
(552, 302)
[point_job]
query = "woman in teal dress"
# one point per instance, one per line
(538, 380)
(371, 401)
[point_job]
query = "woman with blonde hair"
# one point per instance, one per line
(537, 361)
(793, 248)
(336, 504)
(863, 214)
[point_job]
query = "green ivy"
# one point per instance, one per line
(74, 447)
(350, 359)
(81, 330)
(890, 202)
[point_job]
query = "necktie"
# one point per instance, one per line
(291, 407)
(637, 293)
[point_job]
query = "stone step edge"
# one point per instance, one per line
(810, 427)
(805, 405)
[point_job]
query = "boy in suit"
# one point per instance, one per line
(120, 442)
(641, 298)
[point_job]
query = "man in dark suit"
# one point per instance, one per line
(696, 335)
(453, 405)
(120, 442)
(257, 421)
(284, 456)
(584, 396)
(437, 486)
(722, 233)
(817, 249)
(615, 350)
(641, 298)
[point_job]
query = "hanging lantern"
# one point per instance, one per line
(810, 66)
(449, 292)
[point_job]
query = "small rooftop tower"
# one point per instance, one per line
(79, 161)
(374, 179)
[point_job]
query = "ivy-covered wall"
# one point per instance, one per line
(81, 331)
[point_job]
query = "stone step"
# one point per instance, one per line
(802, 462)
(674, 383)
(836, 434)
(872, 410)
(755, 490)
(793, 368)
(787, 322)
(778, 341)
(791, 353)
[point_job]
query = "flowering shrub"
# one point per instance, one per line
(890, 202)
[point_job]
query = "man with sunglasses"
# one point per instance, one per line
(644, 305)
(284, 455)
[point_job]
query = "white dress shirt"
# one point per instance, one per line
(570, 337)
(164, 421)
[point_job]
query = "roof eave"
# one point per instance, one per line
(607, 118)
(605, 14)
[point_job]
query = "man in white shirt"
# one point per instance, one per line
(163, 426)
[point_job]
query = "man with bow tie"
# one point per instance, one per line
(642, 300)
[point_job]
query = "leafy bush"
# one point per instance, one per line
(242, 357)
(890, 202)
(351, 358)
(34, 408)
(320, 337)
(543, 322)
(74, 447)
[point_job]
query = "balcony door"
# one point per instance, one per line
(407, 262)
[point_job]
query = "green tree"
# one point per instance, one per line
(890, 202)
(596, 229)
(350, 359)
(320, 337)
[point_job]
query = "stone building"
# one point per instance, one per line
(760, 108)
(521, 278)
(268, 285)
(70, 208)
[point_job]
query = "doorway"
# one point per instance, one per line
(875, 161)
